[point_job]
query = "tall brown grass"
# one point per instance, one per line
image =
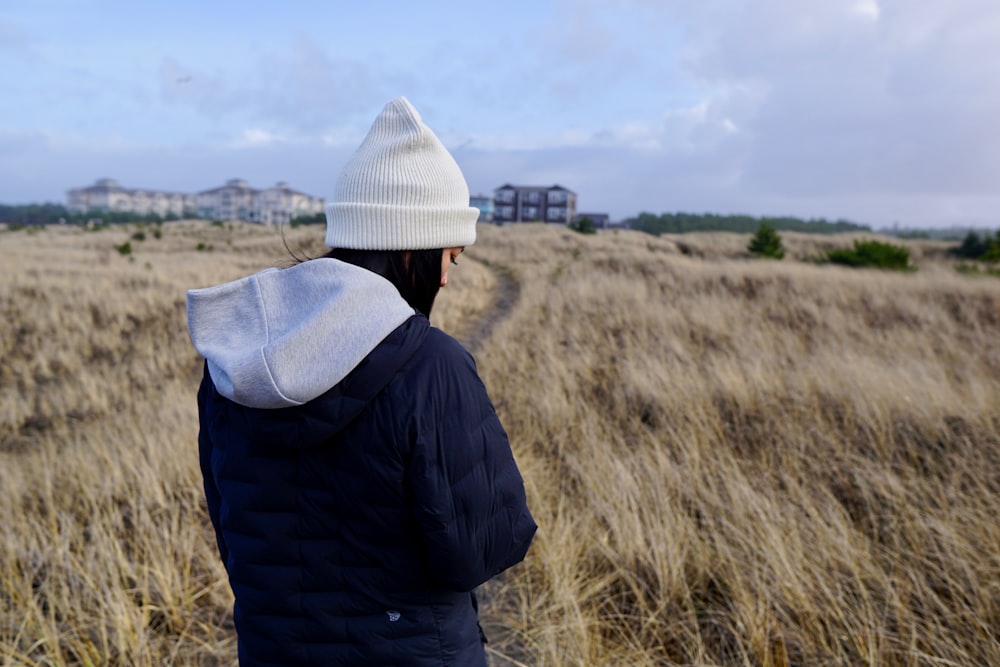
(732, 462)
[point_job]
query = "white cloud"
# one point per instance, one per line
(256, 136)
(300, 89)
(681, 130)
(867, 9)
(898, 107)
(872, 111)
(341, 137)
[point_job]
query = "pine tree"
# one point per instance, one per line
(766, 242)
(992, 252)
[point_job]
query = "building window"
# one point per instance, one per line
(557, 213)
(505, 211)
(529, 213)
(531, 197)
(505, 196)
(557, 197)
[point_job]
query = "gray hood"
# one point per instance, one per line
(281, 338)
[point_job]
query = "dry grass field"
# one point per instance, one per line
(732, 462)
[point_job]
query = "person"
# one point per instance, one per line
(358, 479)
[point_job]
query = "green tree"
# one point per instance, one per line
(875, 254)
(972, 246)
(766, 242)
(992, 252)
(584, 226)
(680, 223)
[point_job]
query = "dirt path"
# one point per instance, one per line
(478, 331)
(507, 293)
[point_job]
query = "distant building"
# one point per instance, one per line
(485, 205)
(599, 220)
(530, 203)
(107, 195)
(235, 200)
(281, 204)
(232, 201)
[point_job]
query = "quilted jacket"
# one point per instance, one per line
(356, 524)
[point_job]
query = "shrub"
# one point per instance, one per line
(766, 242)
(584, 226)
(124, 249)
(992, 253)
(874, 254)
(139, 236)
(983, 248)
(972, 247)
(204, 247)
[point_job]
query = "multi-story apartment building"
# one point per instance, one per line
(232, 201)
(107, 195)
(281, 204)
(235, 200)
(532, 203)
(485, 205)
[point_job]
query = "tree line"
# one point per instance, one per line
(680, 223)
(50, 214)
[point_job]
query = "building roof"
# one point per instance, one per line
(231, 184)
(533, 188)
(284, 187)
(109, 185)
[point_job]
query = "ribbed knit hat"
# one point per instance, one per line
(401, 190)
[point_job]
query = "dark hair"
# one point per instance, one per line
(415, 273)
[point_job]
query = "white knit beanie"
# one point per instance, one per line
(401, 190)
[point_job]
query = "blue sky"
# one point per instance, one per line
(877, 111)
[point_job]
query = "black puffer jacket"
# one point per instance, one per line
(355, 526)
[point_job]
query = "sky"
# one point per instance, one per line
(882, 112)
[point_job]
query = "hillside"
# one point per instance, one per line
(730, 461)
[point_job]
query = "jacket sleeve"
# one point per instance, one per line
(468, 493)
(212, 496)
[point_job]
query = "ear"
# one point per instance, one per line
(445, 265)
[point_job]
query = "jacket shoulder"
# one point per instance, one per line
(444, 362)
(445, 348)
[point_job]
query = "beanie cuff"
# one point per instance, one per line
(366, 226)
